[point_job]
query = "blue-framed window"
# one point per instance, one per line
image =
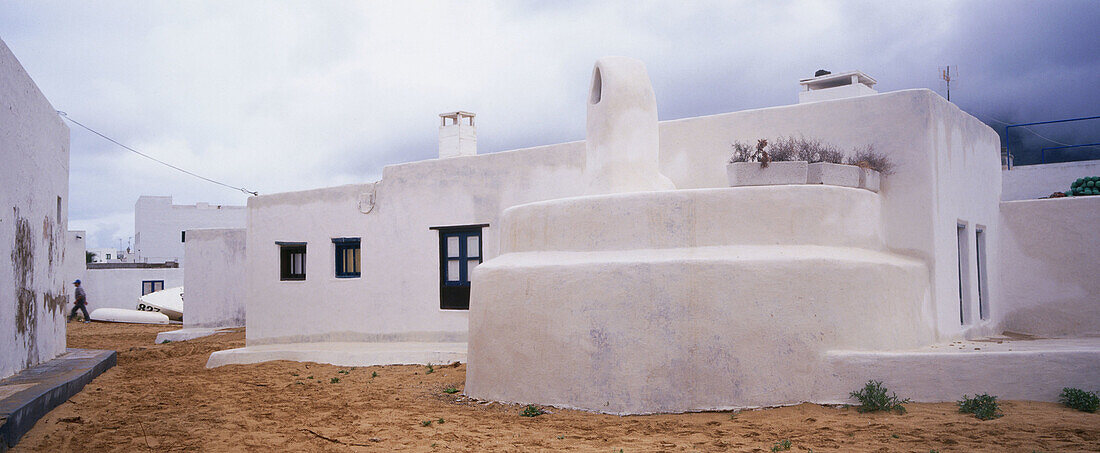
(347, 257)
(460, 251)
(151, 286)
(292, 260)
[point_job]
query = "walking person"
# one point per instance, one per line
(80, 302)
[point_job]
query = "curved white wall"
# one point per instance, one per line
(798, 215)
(686, 300)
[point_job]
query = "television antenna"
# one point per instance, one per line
(945, 73)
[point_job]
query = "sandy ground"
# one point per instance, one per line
(161, 398)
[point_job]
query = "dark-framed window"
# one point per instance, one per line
(347, 257)
(292, 260)
(151, 286)
(460, 250)
(979, 255)
(183, 236)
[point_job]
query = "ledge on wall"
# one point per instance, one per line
(166, 265)
(345, 353)
(33, 392)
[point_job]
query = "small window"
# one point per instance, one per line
(460, 251)
(183, 236)
(292, 261)
(347, 257)
(108, 256)
(59, 210)
(151, 286)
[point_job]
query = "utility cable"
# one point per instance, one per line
(1033, 132)
(242, 189)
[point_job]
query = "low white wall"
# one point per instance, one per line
(34, 194)
(214, 284)
(121, 288)
(1050, 281)
(1028, 182)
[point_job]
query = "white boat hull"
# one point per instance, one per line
(168, 301)
(129, 316)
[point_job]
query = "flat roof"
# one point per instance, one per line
(838, 79)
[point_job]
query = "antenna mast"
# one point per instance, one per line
(946, 74)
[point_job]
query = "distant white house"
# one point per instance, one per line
(105, 255)
(34, 149)
(630, 264)
(160, 226)
(156, 262)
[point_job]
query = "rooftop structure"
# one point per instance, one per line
(836, 86)
(457, 134)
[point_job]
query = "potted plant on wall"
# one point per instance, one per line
(760, 168)
(803, 161)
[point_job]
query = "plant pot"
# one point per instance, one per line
(776, 173)
(871, 179)
(843, 175)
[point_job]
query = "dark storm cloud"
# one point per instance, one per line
(279, 97)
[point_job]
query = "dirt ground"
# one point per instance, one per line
(161, 398)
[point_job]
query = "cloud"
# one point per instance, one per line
(288, 96)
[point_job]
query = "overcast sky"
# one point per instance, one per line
(281, 96)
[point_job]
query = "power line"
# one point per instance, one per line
(66, 116)
(1045, 137)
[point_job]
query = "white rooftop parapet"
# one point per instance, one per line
(828, 86)
(622, 139)
(457, 134)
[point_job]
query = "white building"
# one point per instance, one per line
(34, 145)
(157, 259)
(160, 226)
(629, 263)
(105, 255)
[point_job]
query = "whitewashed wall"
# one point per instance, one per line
(1029, 182)
(121, 288)
(397, 297)
(34, 151)
(948, 171)
(1050, 283)
(158, 224)
(214, 284)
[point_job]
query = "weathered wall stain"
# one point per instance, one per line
(55, 303)
(51, 241)
(22, 260)
(22, 264)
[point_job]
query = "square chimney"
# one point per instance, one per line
(457, 135)
(836, 86)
